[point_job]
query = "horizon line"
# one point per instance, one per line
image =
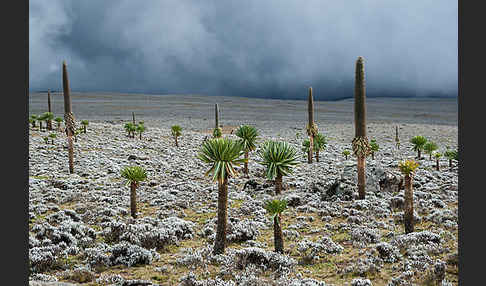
(336, 98)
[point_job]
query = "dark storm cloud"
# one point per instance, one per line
(246, 48)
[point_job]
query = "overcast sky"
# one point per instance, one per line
(245, 48)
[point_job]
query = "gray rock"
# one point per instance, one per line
(361, 282)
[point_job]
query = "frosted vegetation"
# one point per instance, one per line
(81, 229)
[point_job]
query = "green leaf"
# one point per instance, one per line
(134, 174)
(278, 157)
(223, 154)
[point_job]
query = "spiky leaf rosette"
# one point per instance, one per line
(317, 146)
(374, 146)
(430, 147)
(58, 119)
(42, 117)
(128, 126)
(418, 142)
(217, 132)
(223, 154)
(132, 127)
(134, 174)
(48, 116)
(320, 142)
(278, 157)
(176, 130)
(346, 153)
(141, 128)
(276, 207)
(408, 167)
(437, 155)
(248, 135)
(52, 135)
(312, 130)
(84, 122)
(452, 155)
(361, 147)
(305, 146)
(34, 117)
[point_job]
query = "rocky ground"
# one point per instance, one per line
(80, 230)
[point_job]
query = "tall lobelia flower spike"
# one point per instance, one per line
(361, 146)
(68, 116)
(397, 139)
(217, 132)
(49, 122)
(216, 116)
(311, 126)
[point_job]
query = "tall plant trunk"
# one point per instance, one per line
(317, 156)
(177, 142)
(408, 214)
(49, 122)
(84, 129)
(360, 122)
(437, 167)
(277, 234)
(71, 154)
(140, 136)
(278, 184)
(68, 116)
(133, 199)
(245, 169)
(397, 140)
(58, 127)
(220, 241)
(216, 116)
(309, 153)
(310, 111)
(419, 154)
(450, 163)
(133, 118)
(430, 156)
(361, 177)
(372, 155)
(40, 125)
